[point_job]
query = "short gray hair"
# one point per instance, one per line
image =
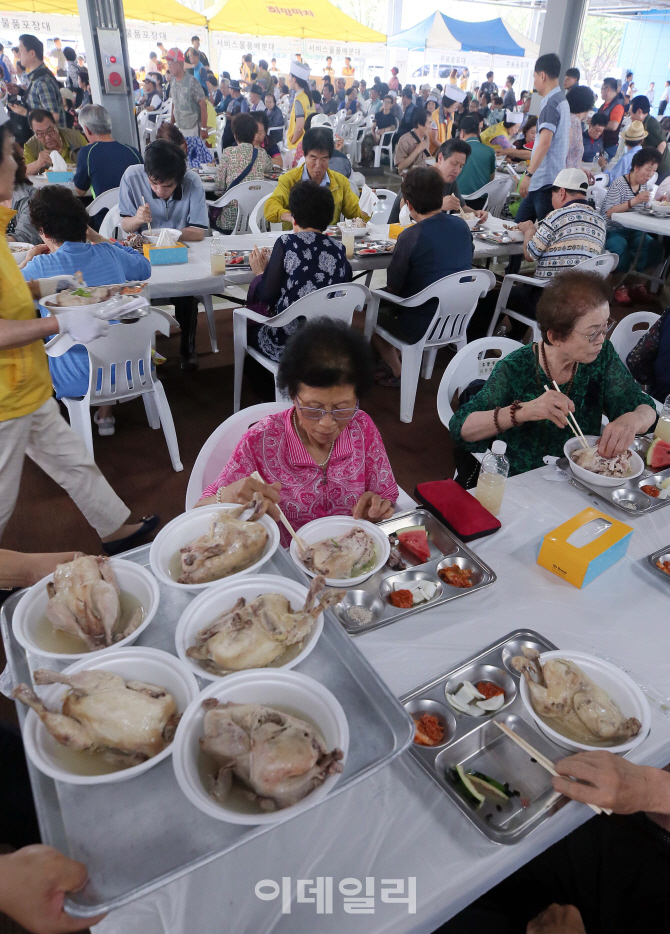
(95, 119)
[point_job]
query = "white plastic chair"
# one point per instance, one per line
(603, 265)
(624, 338)
(335, 301)
(120, 370)
(111, 222)
(496, 193)
(596, 193)
(217, 449)
(467, 366)
(247, 195)
(384, 205)
(257, 222)
(385, 145)
(457, 296)
(108, 199)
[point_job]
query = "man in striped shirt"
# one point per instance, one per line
(571, 233)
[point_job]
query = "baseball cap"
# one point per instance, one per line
(572, 180)
(321, 121)
(175, 55)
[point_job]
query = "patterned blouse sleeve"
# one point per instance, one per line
(378, 472)
(640, 361)
(621, 393)
(497, 391)
(242, 463)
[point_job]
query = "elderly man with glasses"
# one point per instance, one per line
(46, 138)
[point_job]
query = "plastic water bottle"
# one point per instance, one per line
(662, 429)
(492, 476)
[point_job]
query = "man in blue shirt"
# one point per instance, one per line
(164, 194)
(101, 164)
(593, 139)
(551, 145)
(634, 137)
(199, 70)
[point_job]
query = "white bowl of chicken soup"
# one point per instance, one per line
(246, 641)
(369, 546)
(295, 765)
(137, 605)
(126, 707)
(201, 530)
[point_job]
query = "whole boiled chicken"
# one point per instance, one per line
(128, 721)
(229, 546)
(252, 635)
(340, 557)
(84, 601)
(571, 703)
(278, 757)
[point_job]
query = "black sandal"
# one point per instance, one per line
(149, 523)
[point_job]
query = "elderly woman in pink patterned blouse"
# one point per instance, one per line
(324, 456)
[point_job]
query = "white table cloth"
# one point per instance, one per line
(649, 223)
(398, 823)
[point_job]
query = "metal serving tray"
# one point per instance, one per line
(445, 549)
(662, 553)
(476, 743)
(628, 492)
(138, 835)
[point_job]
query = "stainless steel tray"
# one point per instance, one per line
(138, 835)
(475, 742)
(445, 548)
(629, 491)
(663, 553)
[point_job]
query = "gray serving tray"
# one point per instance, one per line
(663, 553)
(477, 743)
(628, 492)
(138, 835)
(445, 548)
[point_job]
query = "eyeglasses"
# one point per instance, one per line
(601, 332)
(340, 415)
(42, 134)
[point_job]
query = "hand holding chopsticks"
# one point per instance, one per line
(572, 421)
(287, 525)
(540, 759)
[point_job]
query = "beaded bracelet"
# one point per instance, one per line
(513, 409)
(496, 413)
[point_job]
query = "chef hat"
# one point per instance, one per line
(454, 93)
(4, 116)
(512, 117)
(300, 70)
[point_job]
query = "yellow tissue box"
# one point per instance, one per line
(165, 255)
(396, 229)
(580, 565)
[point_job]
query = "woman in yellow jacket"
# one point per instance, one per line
(30, 420)
(318, 147)
(302, 103)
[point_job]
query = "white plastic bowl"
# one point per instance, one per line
(660, 207)
(153, 237)
(615, 682)
(210, 604)
(18, 249)
(132, 579)
(331, 527)
(593, 478)
(191, 525)
(134, 664)
(287, 690)
(356, 231)
(470, 221)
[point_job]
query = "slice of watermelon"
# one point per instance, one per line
(415, 540)
(658, 455)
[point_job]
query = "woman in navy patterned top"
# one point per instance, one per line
(301, 262)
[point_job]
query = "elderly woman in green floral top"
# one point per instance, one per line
(241, 163)
(573, 315)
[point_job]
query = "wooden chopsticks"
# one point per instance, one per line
(287, 525)
(540, 759)
(572, 421)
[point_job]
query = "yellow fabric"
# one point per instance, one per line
(309, 19)
(34, 147)
(463, 84)
(346, 202)
(245, 72)
(308, 107)
(491, 132)
(168, 11)
(25, 383)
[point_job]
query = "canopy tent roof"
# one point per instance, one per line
(309, 19)
(438, 31)
(167, 11)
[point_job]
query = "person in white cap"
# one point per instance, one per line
(498, 135)
(452, 97)
(302, 103)
(30, 420)
(571, 233)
